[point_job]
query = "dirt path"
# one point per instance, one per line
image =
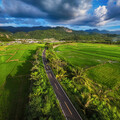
(11, 57)
(55, 46)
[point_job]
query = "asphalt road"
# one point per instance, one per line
(67, 107)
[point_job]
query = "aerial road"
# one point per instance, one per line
(66, 105)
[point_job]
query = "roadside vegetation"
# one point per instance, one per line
(95, 99)
(43, 104)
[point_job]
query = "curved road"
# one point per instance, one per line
(67, 107)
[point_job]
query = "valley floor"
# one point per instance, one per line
(90, 75)
(101, 62)
(15, 65)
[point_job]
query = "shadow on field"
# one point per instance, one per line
(17, 90)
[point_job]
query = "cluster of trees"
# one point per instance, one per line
(42, 34)
(93, 101)
(6, 37)
(116, 40)
(42, 101)
(62, 34)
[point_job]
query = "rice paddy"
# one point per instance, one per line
(15, 65)
(101, 62)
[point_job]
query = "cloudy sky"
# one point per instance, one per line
(75, 14)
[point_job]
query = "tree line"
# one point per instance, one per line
(43, 104)
(63, 35)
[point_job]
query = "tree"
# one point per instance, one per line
(61, 74)
(78, 75)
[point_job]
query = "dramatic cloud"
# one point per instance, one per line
(113, 9)
(49, 9)
(109, 13)
(97, 19)
(62, 12)
(16, 8)
(61, 9)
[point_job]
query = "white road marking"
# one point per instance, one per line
(68, 108)
(56, 86)
(50, 75)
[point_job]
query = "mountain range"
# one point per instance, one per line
(103, 31)
(27, 29)
(23, 29)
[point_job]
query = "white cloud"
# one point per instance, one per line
(66, 12)
(100, 13)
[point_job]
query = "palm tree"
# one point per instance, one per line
(78, 75)
(103, 94)
(34, 76)
(34, 68)
(85, 102)
(117, 89)
(61, 74)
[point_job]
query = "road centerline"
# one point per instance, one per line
(68, 108)
(56, 86)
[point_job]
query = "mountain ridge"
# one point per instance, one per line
(28, 29)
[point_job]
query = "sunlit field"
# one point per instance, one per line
(15, 65)
(101, 62)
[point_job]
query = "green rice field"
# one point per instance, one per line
(15, 65)
(101, 62)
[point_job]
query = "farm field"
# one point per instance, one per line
(101, 62)
(15, 65)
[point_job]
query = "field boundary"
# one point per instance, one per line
(27, 75)
(5, 54)
(11, 56)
